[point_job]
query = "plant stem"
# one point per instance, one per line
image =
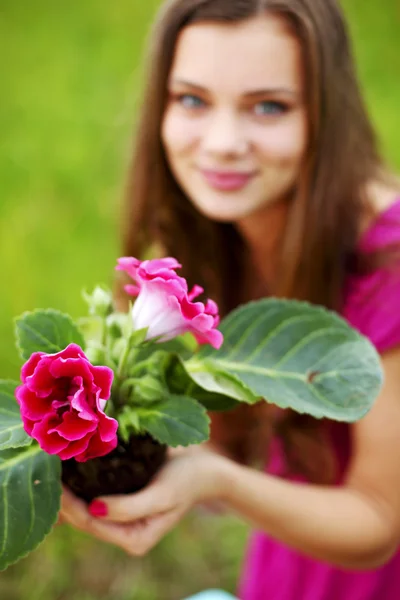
(122, 360)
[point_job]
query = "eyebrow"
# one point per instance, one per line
(250, 94)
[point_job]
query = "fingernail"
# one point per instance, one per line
(97, 508)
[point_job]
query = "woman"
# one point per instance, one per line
(256, 166)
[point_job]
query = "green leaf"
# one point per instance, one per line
(179, 381)
(218, 382)
(149, 359)
(212, 401)
(30, 491)
(145, 389)
(47, 331)
(294, 355)
(128, 423)
(137, 337)
(183, 345)
(12, 434)
(175, 421)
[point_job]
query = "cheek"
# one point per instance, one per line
(284, 143)
(178, 133)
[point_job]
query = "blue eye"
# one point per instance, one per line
(268, 107)
(190, 101)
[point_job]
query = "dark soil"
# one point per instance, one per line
(127, 469)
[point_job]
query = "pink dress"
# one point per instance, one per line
(274, 571)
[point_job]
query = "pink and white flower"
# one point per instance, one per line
(165, 306)
(62, 400)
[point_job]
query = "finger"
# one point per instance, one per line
(126, 508)
(129, 537)
(158, 527)
(139, 537)
(74, 511)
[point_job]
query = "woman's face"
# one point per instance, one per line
(235, 126)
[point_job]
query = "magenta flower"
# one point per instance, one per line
(62, 400)
(165, 306)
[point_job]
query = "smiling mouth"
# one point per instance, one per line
(228, 181)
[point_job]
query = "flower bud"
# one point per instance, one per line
(99, 302)
(149, 389)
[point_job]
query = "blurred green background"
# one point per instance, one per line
(70, 79)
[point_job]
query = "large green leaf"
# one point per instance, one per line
(294, 355)
(30, 492)
(47, 331)
(175, 421)
(212, 401)
(179, 381)
(12, 434)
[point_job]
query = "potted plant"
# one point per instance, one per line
(102, 398)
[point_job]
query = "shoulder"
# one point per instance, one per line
(381, 197)
(371, 297)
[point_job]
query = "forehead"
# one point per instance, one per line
(253, 54)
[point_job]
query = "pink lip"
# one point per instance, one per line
(226, 180)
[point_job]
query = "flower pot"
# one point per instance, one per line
(127, 469)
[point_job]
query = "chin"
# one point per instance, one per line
(222, 216)
(227, 214)
(223, 210)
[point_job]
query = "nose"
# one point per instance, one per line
(224, 136)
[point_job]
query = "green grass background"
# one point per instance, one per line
(70, 78)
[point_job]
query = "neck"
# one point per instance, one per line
(262, 233)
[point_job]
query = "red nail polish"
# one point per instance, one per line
(97, 508)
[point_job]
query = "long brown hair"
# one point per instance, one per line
(329, 202)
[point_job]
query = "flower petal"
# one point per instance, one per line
(71, 367)
(154, 302)
(30, 365)
(73, 428)
(213, 337)
(129, 265)
(32, 407)
(107, 428)
(41, 381)
(52, 443)
(103, 378)
(79, 402)
(194, 292)
(97, 447)
(75, 448)
(132, 290)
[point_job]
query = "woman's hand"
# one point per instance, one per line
(136, 522)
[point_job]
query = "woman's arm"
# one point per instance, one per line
(355, 526)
